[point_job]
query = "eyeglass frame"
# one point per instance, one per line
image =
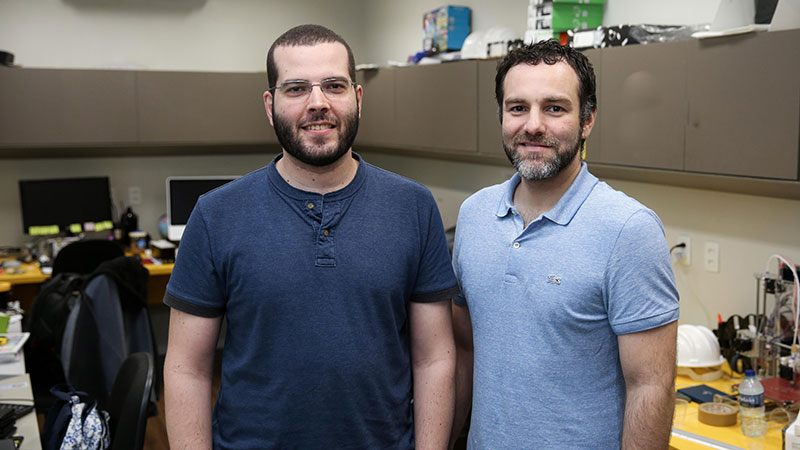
(352, 84)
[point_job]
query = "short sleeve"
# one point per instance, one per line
(195, 285)
(639, 286)
(435, 278)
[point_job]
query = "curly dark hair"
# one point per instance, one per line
(551, 52)
(306, 35)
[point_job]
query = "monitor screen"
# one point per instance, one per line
(182, 194)
(65, 206)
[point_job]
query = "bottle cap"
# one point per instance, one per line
(749, 373)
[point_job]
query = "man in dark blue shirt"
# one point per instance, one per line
(334, 276)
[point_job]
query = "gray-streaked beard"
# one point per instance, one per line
(290, 141)
(541, 167)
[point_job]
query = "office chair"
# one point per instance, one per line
(84, 256)
(128, 403)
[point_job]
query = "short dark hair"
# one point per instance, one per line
(551, 52)
(306, 35)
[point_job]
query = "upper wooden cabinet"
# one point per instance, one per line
(377, 124)
(643, 105)
(53, 108)
(436, 107)
(594, 150)
(203, 108)
(490, 138)
(744, 105)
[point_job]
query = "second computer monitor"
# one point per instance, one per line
(182, 194)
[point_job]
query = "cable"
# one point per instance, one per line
(681, 245)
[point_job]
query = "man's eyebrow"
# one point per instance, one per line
(514, 100)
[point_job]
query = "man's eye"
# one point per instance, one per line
(555, 109)
(296, 89)
(517, 109)
(335, 87)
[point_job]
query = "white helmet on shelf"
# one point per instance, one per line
(698, 353)
(474, 46)
(497, 39)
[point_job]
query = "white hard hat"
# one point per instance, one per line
(497, 39)
(474, 46)
(698, 348)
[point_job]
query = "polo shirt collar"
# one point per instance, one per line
(567, 206)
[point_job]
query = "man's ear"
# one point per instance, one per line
(268, 99)
(588, 125)
(359, 95)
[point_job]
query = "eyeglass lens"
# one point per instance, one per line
(330, 87)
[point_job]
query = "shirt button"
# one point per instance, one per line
(516, 244)
(325, 233)
(310, 205)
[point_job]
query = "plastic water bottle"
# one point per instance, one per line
(751, 406)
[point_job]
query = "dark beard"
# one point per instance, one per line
(290, 141)
(551, 167)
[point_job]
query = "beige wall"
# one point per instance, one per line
(202, 35)
(233, 35)
(747, 228)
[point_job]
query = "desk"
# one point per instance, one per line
(25, 283)
(691, 434)
(17, 389)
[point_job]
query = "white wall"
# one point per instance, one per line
(748, 229)
(233, 35)
(202, 35)
(394, 28)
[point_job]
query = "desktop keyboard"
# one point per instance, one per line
(18, 410)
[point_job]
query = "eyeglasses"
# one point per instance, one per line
(331, 87)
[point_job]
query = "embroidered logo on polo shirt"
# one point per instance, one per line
(553, 279)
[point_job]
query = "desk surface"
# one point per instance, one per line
(17, 389)
(32, 274)
(691, 434)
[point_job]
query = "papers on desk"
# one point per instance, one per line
(11, 343)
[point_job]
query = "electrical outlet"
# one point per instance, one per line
(711, 257)
(684, 255)
(134, 195)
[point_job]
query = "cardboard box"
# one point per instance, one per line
(444, 29)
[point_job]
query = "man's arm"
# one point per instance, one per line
(648, 364)
(188, 370)
(433, 360)
(462, 330)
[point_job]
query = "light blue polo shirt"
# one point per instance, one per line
(547, 303)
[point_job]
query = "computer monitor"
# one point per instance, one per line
(182, 194)
(65, 206)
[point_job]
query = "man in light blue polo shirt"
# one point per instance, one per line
(568, 305)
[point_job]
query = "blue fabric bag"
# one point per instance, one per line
(74, 422)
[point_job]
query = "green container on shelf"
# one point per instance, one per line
(577, 16)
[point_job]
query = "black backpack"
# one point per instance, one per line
(48, 319)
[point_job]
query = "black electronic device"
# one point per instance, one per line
(182, 194)
(65, 206)
(702, 393)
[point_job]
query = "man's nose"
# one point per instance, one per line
(317, 101)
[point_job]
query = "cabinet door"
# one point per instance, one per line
(644, 105)
(59, 107)
(207, 108)
(490, 138)
(744, 105)
(436, 107)
(594, 150)
(377, 124)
